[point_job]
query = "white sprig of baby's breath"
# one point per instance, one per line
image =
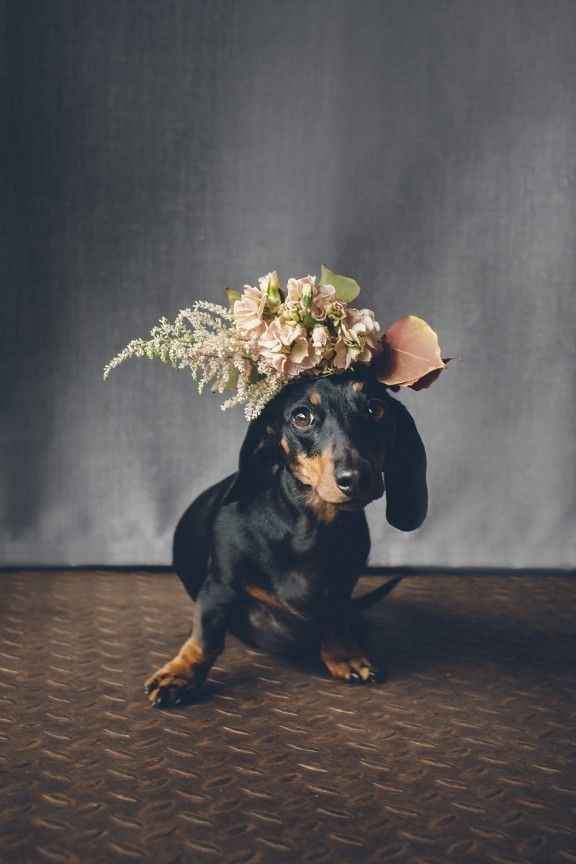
(204, 340)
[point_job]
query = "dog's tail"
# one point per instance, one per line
(368, 600)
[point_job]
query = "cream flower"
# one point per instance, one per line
(361, 322)
(280, 334)
(320, 337)
(275, 360)
(285, 348)
(302, 357)
(276, 341)
(300, 291)
(342, 355)
(345, 354)
(323, 297)
(336, 310)
(358, 338)
(249, 310)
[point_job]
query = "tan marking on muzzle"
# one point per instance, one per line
(284, 444)
(318, 473)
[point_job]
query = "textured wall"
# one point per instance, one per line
(161, 151)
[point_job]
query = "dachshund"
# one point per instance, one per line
(272, 553)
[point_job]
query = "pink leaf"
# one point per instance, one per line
(410, 355)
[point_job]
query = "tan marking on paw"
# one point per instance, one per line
(181, 675)
(346, 662)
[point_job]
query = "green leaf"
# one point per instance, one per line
(232, 296)
(347, 289)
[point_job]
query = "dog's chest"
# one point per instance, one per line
(313, 556)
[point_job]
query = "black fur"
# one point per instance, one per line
(263, 532)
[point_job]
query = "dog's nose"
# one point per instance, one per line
(346, 480)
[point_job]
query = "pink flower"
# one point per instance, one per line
(346, 354)
(275, 342)
(249, 310)
(280, 334)
(361, 322)
(276, 360)
(302, 357)
(286, 349)
(305, 295)
(358, 338)
(320, 337)
(324, 296)
(300, 291)
(336, 310)
(342, 355)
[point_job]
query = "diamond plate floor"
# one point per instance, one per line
(467, 753)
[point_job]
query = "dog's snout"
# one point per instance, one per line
(347, 480)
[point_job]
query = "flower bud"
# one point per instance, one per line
(273, 293)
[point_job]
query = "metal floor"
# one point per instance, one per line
(467, 753)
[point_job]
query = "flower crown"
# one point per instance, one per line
(269, 336)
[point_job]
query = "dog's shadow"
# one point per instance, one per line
(410, 637)
(406, 637)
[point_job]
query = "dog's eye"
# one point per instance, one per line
(376, 409)
(302, 418)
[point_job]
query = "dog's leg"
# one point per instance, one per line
(342, 651)
(186, 672)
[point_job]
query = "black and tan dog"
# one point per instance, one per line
(273, 552)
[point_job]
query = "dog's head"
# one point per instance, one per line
(345, 440)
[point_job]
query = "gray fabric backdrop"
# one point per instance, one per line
(163, 150)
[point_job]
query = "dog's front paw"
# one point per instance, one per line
(355, 670)
(174, 683)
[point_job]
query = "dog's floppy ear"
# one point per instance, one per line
(405, 473)
(259, 456)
